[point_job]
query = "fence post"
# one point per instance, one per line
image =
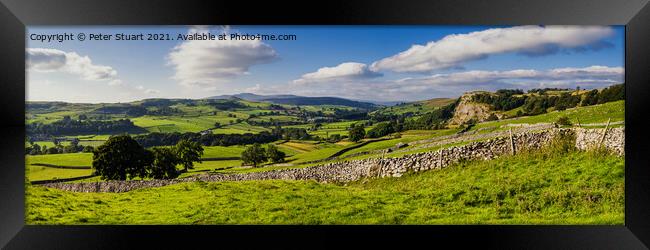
(512, 142)
(602, 139)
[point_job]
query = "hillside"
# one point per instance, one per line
(415, 108)
(298, 100)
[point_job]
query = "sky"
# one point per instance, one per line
(371, 63)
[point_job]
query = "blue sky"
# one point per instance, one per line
(382, 63)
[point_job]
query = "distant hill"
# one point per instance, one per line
(298, 100)
(415, 108)
(252, 97)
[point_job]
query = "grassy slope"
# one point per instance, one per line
(575, 188)
(589, 114)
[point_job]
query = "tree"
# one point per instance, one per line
(35, 149)
(121, 158)
(188, 152)
(381, 129)
(164, 163)
(357, 132)
(254, 155)
(217, 125)
(274, 154)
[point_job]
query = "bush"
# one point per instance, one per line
(334, 138)
(564, 121)
(563, 144)
(492, 117)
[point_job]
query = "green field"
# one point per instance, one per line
(37, 172)
(540, 188)
(239, 128)
(40, 173)
(179, 124)
(221, 151)
(72, 159)
(323, 151)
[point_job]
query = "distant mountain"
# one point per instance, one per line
(298, 100)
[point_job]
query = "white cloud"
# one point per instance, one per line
(594, 74)
(116, 82)
(343, 71)
(453, 50)
(151, 91)
(53, 60)
(454, 84)
(208, 63)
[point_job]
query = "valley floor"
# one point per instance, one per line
(533, 188)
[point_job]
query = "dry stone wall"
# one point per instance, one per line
(613, 140)
(346, 171)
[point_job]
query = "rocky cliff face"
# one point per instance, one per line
(467, 110)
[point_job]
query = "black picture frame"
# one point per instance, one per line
(15, 15)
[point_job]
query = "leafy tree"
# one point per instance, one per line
(188, 152)
(274, 154)
(121, 158)
(381, 129)
(357, 132)
(35, 149)
(254, 155)
(164, 163)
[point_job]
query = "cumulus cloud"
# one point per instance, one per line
(53, 60)
(453, 50)
(207, 63)
(343, 71)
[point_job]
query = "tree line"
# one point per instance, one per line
(68, 126)
(58, 148)
(504, 100)
(166, 139)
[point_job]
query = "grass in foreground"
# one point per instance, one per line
(535, 188)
